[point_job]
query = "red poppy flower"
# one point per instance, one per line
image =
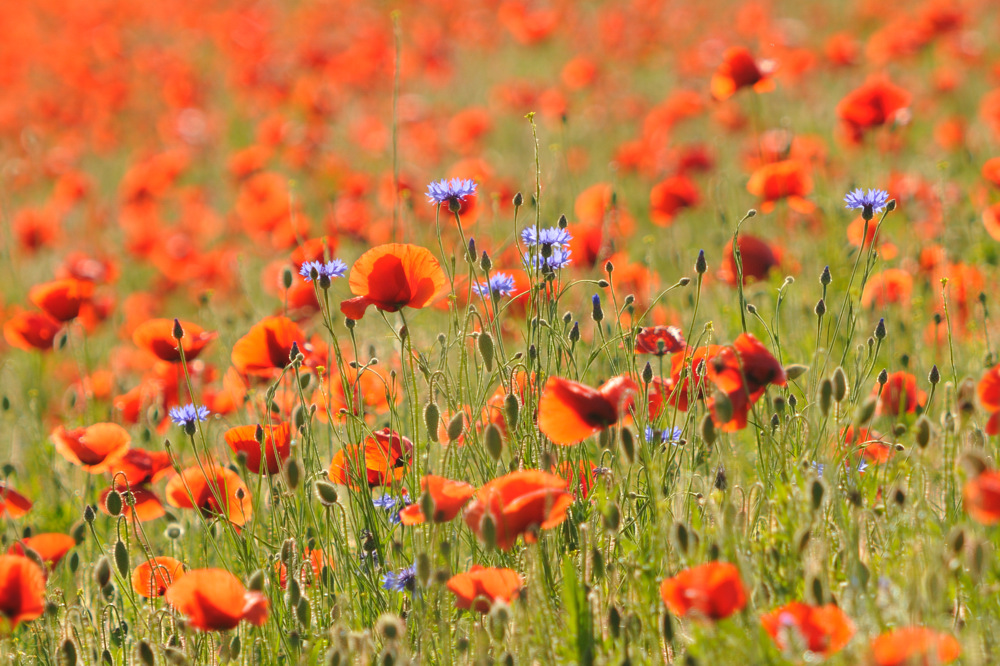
(95, 448)
(713, 590)
(570, 412)
(649, 338)
(877, 102)
(788, 180)
(991, 171)
(22, 591)
(824, 629)
(669, 197)
(215, 600)
(265, 348)
(385, 455)
(989, 395)
(152, 577)
(139, 466)
(756, 255)
(216, 490)
(904, 646)
(739, 70)
(449, 498)
(61, 299)
(677, 389)
(899, 395)
(312, 566)
(869, 443)
(394, 276)
(31, 330)
(893, 285)
(147, 505)
(519, 503)
(982, 498)
(276, 446)
(50, 547)
(157, 337)
(580, 476)
(13, 503)
(479, 588)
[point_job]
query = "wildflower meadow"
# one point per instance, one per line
(499, 332)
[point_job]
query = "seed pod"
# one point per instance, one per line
(839, 385)
(432, 417)
(493, 441)
(327, 493)
(122, 559)
(456, 426)
(486, 350)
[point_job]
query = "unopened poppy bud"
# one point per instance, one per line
(684, 281)
(629, 300)
(880, 332)
(390, 627)
(456, 426)
(825, 277)
(349, 323)
(708, 430)
(681, 537)
(424, 565)
(511, 408)
(721, 482)
(493, 441)
(628, 445)
(488, 530)
(518, 200)
(752, 213)
(793, 402)
(145, 653)
(647, 372)
(485, 344)
(597, 563)
(598, 312)
(923, 436)
(234, 647)
(102, 572)
(700, 264)
(667, 626)
(603, 284)
(820, 308)
(614, 621)
(113, 503)
(67, 653)
(825, 396)
(432, 417)
(722, 407)
(563, 222)
(751, 308)
(178, 331)
(816, 492)
(839, 385)
(292, 592)
(612, 517)
(293, 473)
(122, 558)
(327, 493)
(89, 514)
(795, 370)
(934, 376)
(865, 411)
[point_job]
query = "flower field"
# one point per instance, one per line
(499, 332)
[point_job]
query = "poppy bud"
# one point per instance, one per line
(865, 411)
(883, 377)
(628, 445)
(751, 308)
(890, 205)
(614, 621)
(839, 385)
(795, 370)
(485, 343)
(456, 426)
(598, 313)
(292, 592)
(708, 432)
(700, 264)
(721, 483)
(121, 558)
(880, 332)
(178, 331)
(234, 647)
(256, 581)
(293, 473)
(145, 653)
(494, 443)
(67, 653)
(294, 352)
(722, 407)
(488, 531)
(349, 323)
(102, 572)
(518, 200)
(113, 503)
(612, 517)
(667, 627)
(597, 562)
(629, 300)
(511, 407)
(327, 493)
(816, 492)
(923, 436)
(609, 267)
(89, 514)
(793, 402)
(825, 396)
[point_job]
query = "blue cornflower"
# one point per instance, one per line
(665, 436)
(551, 236)
(560, 258)
(187, 416)
(862, 466)
(870, 203)
(500, 284)
(819, 467)
(446, 191)
(329, 269)
(385, 502)
(392, 505)
(400, 580)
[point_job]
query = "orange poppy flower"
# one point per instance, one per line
(385, 456)
(855, 231)
(991, 171)
(95, 448)
(449, 498)
(739, 70)
(904, 646)
(394, 276)
(677, 390)
(824, 629)
(372, 389)
(215, 600)
(982, 498)
(265, 348)
(157, 337)
(139, 466)
(893, 285)
(989, 395)
(713, 590)
(152, 577)
(669, 197)
(519, 503)
(50, 547)
(22, 591)
(580, 477)
(876, 102)
(315, 559)
(147, 505)
(276, 446)
(13, 503)
(570, 412)
(869, 443)
(62, 299)
(788, 180)
(480, 587)
(899, 395)
(31, 330)
(216, 490)
(757, 256)
(648, 340)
